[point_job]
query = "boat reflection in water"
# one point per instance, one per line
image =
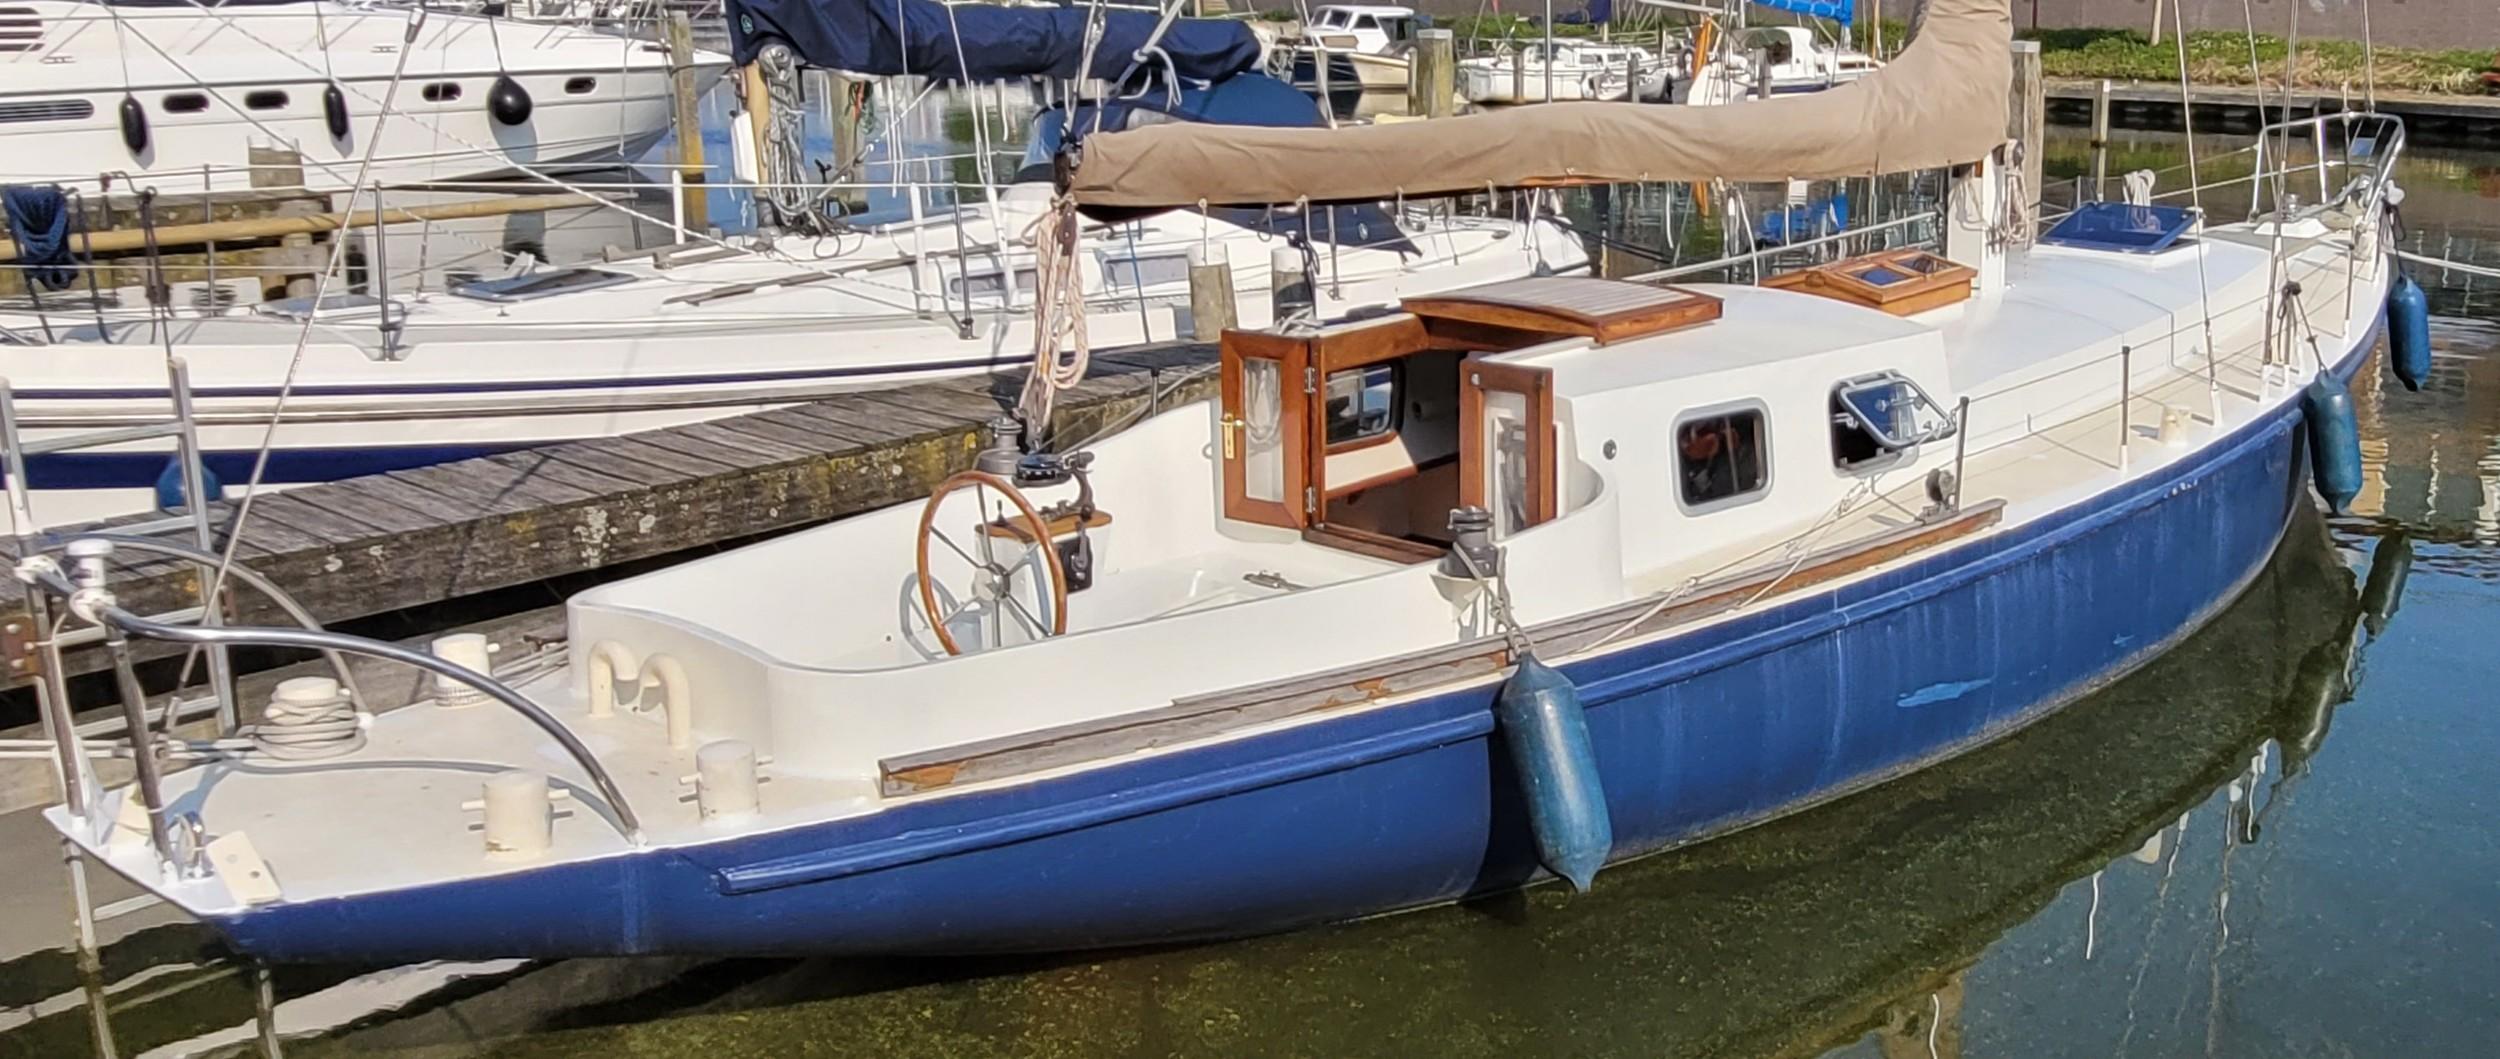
(1802, 935)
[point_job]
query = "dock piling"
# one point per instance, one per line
(686, 118)
(2100, 140)
(1428, 75)
(1211, 308)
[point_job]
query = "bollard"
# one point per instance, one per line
(725, 783)
(1211, 308)
(1289, 284)
(469, 651)
(519, 822)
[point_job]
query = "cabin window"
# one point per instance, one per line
(1262, 430)
(440, 92)
(581, 86)
(21, 29)
(1362, 403)
(989, 285)
(264, 99)
(1721, 458)
(46, 110)
(185, 103)
(1138, 272)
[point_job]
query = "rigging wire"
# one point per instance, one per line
(2196, 197)
(416, 18)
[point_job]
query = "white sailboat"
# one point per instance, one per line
(1514, 583)
(1574, 70)
(181, 95)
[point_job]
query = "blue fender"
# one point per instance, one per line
(2334, 440)
(169, 485)
(1539, 715)
(2409, 332)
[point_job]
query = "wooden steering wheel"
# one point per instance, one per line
(999, 583)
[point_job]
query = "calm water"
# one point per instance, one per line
(2276, 840)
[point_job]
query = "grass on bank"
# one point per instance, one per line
(2218, 57)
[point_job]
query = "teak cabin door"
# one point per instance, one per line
(1506, 443)
(1264, 435)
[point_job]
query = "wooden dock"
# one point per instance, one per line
(367, 546)
(2458, 120)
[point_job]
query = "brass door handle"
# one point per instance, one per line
(1230, 427)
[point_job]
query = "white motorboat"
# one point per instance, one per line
(1567, 69)
(1362, 46)
(189, 96)
(1793, 59)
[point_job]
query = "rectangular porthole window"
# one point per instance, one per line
(265, 99)
(441, 92)
(1362, 403)
(46, 110)
(185, 103)
(1132, 273)
(1722, 458)
(581, 86)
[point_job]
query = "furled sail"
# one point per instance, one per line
(1943, 102)
(984, 42)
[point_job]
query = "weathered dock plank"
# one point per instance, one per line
(368, 546)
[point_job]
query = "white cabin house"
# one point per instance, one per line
(1363, 46)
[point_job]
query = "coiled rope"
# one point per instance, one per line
(1058, 311)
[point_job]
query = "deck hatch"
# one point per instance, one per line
(540, 284)
(1606, 311)
(2122, 228)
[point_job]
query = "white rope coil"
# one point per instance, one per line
(1058, 311)
(303, 723)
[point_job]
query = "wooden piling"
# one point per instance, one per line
(1211, 307)
(1429, 74)
(687, 118)
(2100, 140)
(2025, 115)
(1288, 282)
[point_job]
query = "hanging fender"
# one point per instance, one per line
(134, 124)
(334, 110)
(508, 101)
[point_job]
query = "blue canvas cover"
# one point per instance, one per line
(980, 42)
(1841, 11)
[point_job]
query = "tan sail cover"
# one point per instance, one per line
(1943, 102)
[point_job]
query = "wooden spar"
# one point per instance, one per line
(121, 239)
(685, 98)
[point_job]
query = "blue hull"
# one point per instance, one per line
(1415, 805)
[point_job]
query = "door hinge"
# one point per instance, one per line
(1310, 380)
(1310, 500)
